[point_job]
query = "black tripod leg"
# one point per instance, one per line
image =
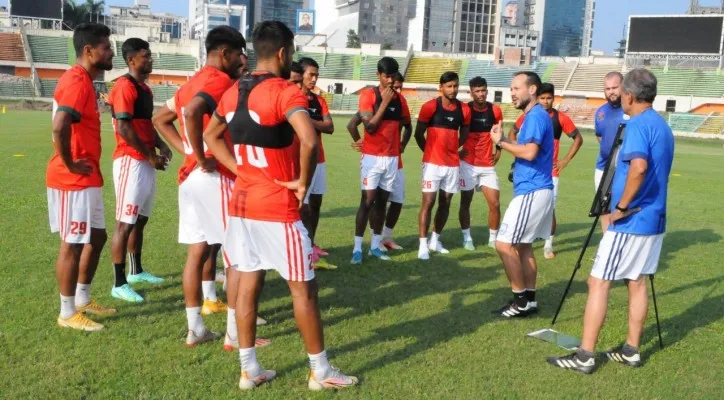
(576, 268)
(656, 311)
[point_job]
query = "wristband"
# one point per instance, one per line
(619, 208)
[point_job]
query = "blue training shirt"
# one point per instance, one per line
(648, 137)
(529, 176)
(608, 118)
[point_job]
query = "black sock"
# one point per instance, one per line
(629, 350)
(584, 355)
(119, 271)
(530, 294)
(520, 300)
(135, 261)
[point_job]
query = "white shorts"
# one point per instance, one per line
(439, 177)
(252, 245)
(597, 177)
(73, 213)
(397, 195)
(527, 218)
(378, 172)
(555, 191)
(203, 205)
(627, 256)
(135, 183)
(319, 182)
(474, 178)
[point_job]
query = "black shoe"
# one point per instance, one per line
(532, 307)
(513, 310)
(572, 362)
(618, 354)
(498, 311)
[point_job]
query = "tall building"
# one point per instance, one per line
(565, 26)
(139, 21)
(282, 10)
(205, 15)
(383, 22)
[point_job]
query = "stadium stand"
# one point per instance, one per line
(118, 62)
(690, 82)
(368, 65)
(332, 66)
(589, 77)
(510, 113)
(428, 70)
(11, 47)
(49, 49)
(345, 102)
(162, 93)
(13, 86)
(47, 87)
(579, 114)
(713, 124)
(175, 62)
(559, 75)
(686, 122)
(497, 75)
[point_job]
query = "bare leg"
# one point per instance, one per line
(313, 209)
(135, 241)
(363, 212)
(492, 197)
(198, 253)
(209, 269)
(466, 199)
(66, 267)
(249, 289)
(443, 210)
(528, 264)
(428, 202)
(88, 263)
(638, 307)
(306, 313)
(595, 314)
(377, 219)
(513, 268)
(393, 214)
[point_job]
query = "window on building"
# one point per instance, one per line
(670, 105)
(498, 96)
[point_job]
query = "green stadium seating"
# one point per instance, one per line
(47, 87)
(714, 124)
(163, 92)
(19, 88)
(498, 75)
(686, 122)
(369, 67)
(332, 66)
(49, 49)
(589, 77)
(689, 82)
(175, 62)
(559, 75)
(428, 70)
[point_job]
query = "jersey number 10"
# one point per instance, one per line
(254, 155)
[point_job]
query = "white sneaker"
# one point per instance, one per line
(423, 254)
(437, 247)
(193, 340)
(251, 380)
(491, 244)
(335, 379)
(260, 321)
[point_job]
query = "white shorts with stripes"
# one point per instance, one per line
(527, 218)
(73, 213)
(319, 182)
(203, 205)
(251, 245)
(627, 256)
(135, 183)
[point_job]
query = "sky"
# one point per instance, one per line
(611, 15)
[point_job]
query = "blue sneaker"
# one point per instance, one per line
(356, 258)
(126, 293)
(379, 254)
(143, 277)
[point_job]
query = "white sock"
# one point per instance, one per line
(549, 242)
(231, 331)
(319, 364)
(423, 243)
(196, 323)
(434, 239)
(247, 359)
(376, 240)
(67, 306)
(387, 233)
(82, 294)
(493, 235)
(209, 290)
(466, 235)
(358, 243)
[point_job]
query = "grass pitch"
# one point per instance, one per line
(408, 329)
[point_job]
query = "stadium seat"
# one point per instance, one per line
(589, 77)
(369, 67)
(428, 70)
(714, 124)
(49, 49)
(175, 62)
(559, 75)
(685, 122)
(498, 75)
(12, 86)
(11, 47)
(332, 66)
(162, 93)
(47, 87)
(689, 82)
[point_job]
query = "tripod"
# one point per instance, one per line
(601, 203)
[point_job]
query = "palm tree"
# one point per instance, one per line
(74, 14)
(95, 9)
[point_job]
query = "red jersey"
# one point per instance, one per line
(133, 101)
(385, 141)
(561, 124)
(256, 110)
(444, 123)
(75, 95)
(210, 84)
(479, 145)
(318, 111)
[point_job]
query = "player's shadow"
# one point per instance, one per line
(680, 240)
(343, 212)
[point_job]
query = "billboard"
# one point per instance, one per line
(48, 9)
(305, 22)
(687, 34)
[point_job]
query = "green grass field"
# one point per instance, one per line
(408, 329)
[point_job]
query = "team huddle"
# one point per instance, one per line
(253, 178)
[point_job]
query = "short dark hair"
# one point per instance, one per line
(306, 62)
(531, 79)
(224, 35)
(132, 46)
(270, 36)
(296, 67)
(398, 77)
(88, 33)
(388, 66)
(641, 84)
(478, 81)
(613, 74)
(449, 76)
(547, 88)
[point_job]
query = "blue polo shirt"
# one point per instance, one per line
(608, 118)
(647, 137)
(530, 176)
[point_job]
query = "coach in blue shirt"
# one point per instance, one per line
(608, 118)
(530, 213)
(631, 247)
